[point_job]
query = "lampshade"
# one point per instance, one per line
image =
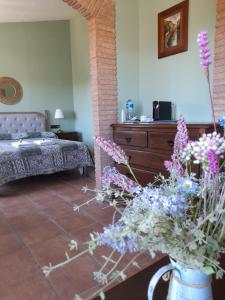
(59, 114)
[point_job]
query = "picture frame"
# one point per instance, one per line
(173, 30)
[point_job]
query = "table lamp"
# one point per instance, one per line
(59, 115)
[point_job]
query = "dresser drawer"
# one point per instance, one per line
(165, 140)
(131, 138)
(162, 141)
(145, 159)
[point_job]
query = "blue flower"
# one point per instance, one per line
(222, 122)
(118, 237)
(171, 204)
(187, 186)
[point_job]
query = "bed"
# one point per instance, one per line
(28, 149)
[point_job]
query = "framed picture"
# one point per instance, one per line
(173, 30)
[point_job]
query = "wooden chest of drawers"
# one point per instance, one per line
(148, 146)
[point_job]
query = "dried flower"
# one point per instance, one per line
(200, 149)
(213, 162)
(113, 150)
(205, 62)
(181, 139)
(168, 202)
(204, 50)
(119, 238)
(112, 176)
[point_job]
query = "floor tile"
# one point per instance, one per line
(79, 274)
(62, 284)
(22, 207)
(36, 287)
(98, 212)
(83, 234)
(51, 251)
(24, 221)
(16, 267)
(74, 222)
(54, 206)
(12, 200)
(4, 225)
(9, 243)
(40, 233)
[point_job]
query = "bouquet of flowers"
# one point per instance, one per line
(182, 215)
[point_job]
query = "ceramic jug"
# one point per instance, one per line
(185, 284)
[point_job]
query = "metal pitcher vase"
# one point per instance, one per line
(185, 284)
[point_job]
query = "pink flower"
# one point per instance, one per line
(112, 176)
(113, 150)
(181, 140)
(213, 162)
(204, 50)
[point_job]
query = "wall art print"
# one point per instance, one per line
(173, 30)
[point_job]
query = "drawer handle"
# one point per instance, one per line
(170, 143)
(129, 158)
(128, 139)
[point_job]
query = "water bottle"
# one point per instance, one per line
(129, 110)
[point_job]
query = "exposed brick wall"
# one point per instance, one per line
(100, 15)
(219, 65)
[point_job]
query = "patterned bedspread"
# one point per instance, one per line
(40, 156)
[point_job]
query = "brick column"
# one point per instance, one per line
(219, 64)
(100, 15)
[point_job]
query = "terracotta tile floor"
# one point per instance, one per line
(36, 223)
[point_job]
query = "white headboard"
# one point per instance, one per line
(13, 122)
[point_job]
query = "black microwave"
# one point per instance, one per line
(162, 110)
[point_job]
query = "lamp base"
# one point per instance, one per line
(59, 130)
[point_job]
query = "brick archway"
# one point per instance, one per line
(100, 15)
(219, 61)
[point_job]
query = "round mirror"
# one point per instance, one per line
(10, 91)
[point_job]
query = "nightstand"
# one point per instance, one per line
(68, 135)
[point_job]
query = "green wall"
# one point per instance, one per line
(81, 79)
(178, 78)
(38, 55)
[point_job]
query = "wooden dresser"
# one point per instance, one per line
(148, 146)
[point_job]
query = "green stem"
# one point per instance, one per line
(109, 258)
(62, 264)
(221, 167)
(132, 173)
(96, 293)
(213, 263)
(222, 233)
(211, 100)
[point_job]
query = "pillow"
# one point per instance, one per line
(48, 134)
(5, 136)
(19, 135)
(27, 135)
(33, 135)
